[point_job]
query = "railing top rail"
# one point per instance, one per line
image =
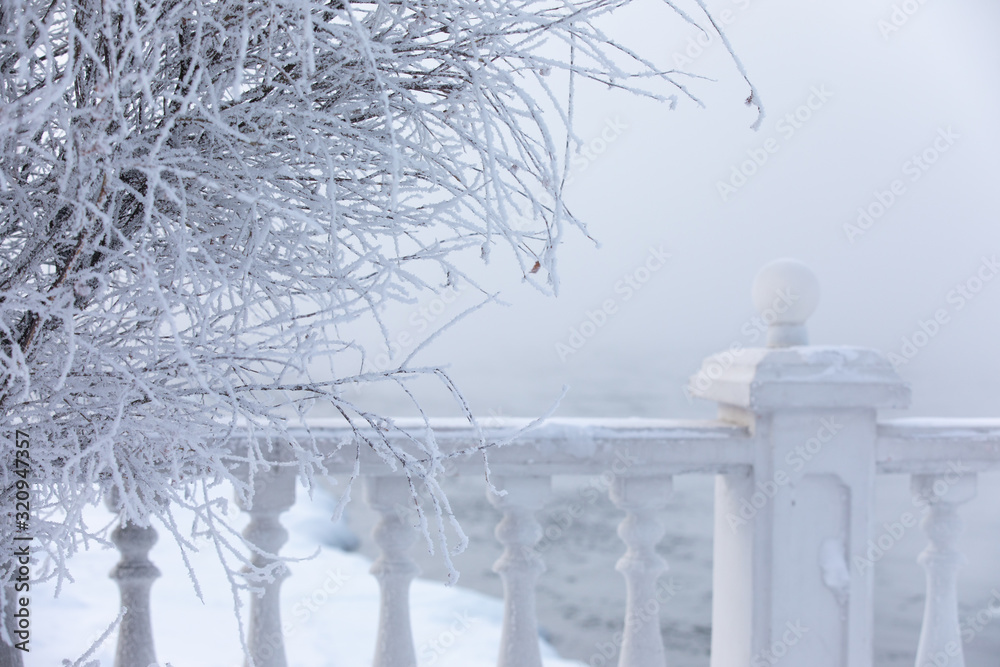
(551, 426)
(559, 446)
(642, 446)
(938, 445)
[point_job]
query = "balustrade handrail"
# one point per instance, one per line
(558, 446)
(920, 445)
(579, 446)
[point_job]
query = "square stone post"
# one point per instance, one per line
(786, 534)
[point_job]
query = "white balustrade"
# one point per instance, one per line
(642, 499)
(796, 451)
(395, 533)
(274, 493)
(940, 637)
(520, 565)
(135, 574)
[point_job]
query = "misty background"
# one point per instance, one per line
(655, 184)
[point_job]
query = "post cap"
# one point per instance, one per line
(786, 293)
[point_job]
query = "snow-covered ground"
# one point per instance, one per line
(453, 627)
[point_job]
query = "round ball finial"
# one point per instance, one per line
(786, 293)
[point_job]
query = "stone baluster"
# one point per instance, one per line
(642, 499)
(395, 533)
(134, 574)
(274, 493)
(519, 566)
(940, 636)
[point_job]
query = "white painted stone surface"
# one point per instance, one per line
(520, 565)
(135, 574)
(641, 497)
(274, 494)
(805, 513)
(395, 534)
(940, 637)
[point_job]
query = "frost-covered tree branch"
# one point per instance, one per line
(196, 196)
